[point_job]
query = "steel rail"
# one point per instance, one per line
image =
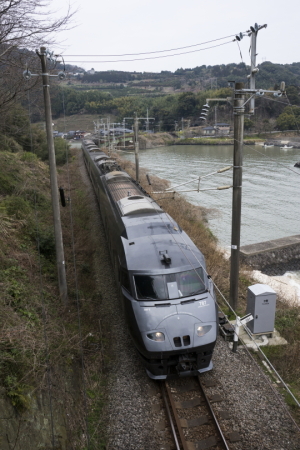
(177, 420)
(170, 417)
(214, 416)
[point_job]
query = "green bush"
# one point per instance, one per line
(9, 144)
(29, 157)
(17, 206)
(47, 244)
(61, 151)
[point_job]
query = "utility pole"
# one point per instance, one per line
(59, 248)
(128, 118)
(136, 143)
(108, 136)
(182, 124)
(254, 69)
(238, 111)
(124, 131)
(136, 148)
(147, 122)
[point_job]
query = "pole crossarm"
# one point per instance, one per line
(219, 188)
(227, 99)
(259, 91)
(199, 178)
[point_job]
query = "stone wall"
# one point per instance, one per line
(273, 257)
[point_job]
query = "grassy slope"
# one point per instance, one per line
(38, 336)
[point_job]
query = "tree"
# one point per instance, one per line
(24, 25)
(289, 119)
(186, 104)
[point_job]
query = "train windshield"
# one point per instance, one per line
(170, 286)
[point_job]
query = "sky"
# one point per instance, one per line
(137, 26)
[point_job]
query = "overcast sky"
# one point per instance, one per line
(136, 26)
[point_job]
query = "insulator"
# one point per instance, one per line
(27, 74)
(61, 75)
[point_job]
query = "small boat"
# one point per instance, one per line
(285, 147)
(268, 145)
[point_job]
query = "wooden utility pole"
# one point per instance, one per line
(238, 111)
(59, 248)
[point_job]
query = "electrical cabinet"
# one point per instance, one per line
(261, 303)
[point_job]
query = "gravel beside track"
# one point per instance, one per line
(136, 419)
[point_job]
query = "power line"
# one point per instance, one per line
(271, 159)
(157, 51)
(150, 57)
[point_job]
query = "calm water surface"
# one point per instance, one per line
(270, 195)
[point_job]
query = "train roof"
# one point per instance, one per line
(138, 204)
(155, 236)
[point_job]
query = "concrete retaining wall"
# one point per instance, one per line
(273, 257)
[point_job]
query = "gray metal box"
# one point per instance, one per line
(261, 303)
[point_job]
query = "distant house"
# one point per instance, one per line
(219, 129)
(222, 128)
(208, 131)
(91, 71)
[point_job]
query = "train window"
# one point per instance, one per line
(125, 281)
(174, 285)
(190, 282)
(151, 287)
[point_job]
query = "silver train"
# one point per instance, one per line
(167, 298)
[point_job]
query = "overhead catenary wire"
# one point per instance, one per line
(76, 285)
(152, 52)
(150, 57)
(271, 159)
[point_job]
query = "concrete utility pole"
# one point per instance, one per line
(136, 143)
(59, 248)
(128, 118)
(136, 148)
(147, 122)
(238, 111)
(254, 69)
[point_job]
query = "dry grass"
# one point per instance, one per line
(38, 335)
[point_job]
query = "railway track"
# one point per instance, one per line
(197, 416)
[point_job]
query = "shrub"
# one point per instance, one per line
(61, 151)
(29, 157)
(17, 206)
(47, 244)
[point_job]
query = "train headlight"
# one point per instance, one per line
(157, 336)
(202, 330)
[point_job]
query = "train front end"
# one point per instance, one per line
(171, 311)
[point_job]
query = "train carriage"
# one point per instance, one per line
(167, 298)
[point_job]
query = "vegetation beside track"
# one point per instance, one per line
(42, 344)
